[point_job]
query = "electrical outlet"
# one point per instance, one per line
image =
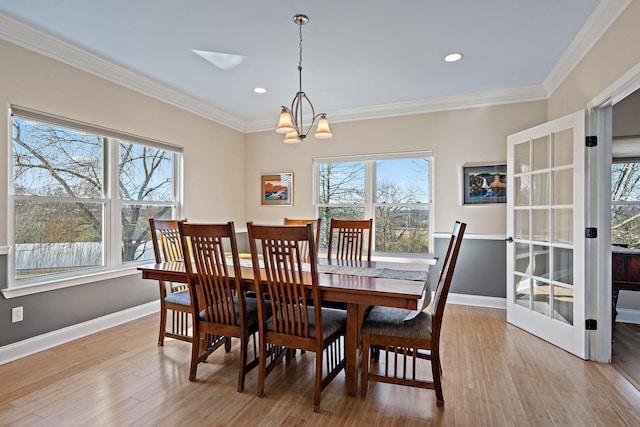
(17, 314)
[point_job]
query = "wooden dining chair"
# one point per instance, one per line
(220, 309)
(349, 238)
(174, 297)
(406, 339)
(298, 320)
(316, 230)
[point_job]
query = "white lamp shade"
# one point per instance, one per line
(291, 138)
(323, 131)
(285, 125)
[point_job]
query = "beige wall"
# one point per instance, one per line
(615, 53)
(610, 58)
(457, 137)
(213, 154)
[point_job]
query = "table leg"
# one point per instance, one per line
(355, 316)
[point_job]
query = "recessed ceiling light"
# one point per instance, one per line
(259, 90)
(453, 57)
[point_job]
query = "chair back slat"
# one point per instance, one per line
(290, 293)
(284, 288)
(304, 246)
(350, 239)
(165, 237)
(213, 288)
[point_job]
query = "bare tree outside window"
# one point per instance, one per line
(61, 197)
(625, 204)
(401, 209)
(400, 205)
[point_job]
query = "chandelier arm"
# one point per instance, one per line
(296, 111)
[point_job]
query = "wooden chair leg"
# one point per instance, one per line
(163, 323)
(195, 355)
(436, 371)
(290, 355)
(262, 367)
(317, 387)
(242, 371)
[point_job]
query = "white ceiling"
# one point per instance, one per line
(361, 58)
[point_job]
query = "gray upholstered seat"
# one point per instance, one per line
(252, 312)
(406, 336)
(179, 297)
(332, 320)
(390, 321)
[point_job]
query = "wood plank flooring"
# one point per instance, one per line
(494, 374)
(625, 351)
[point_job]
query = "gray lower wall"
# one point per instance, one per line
(480, 271)
(49, 311)
(481, 267)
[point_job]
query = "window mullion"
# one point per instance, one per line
(113, 222)
(369, 188)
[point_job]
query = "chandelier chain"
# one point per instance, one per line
(300, 59)
(291, 120)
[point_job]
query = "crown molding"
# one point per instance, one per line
(37, 41)
(600, 20)
(454, 102)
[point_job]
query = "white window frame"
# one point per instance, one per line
(114, 266)
(369, 203)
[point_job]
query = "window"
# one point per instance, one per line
(81, 197)
(393, 189)
(625, 203)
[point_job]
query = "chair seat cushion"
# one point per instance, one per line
(332, 320)
(252, 312)
(390, 322)
(180, 297)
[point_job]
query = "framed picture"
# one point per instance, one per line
(484, 184)
(277, 189)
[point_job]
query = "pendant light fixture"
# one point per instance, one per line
(291, 120)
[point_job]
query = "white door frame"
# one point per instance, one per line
(598, 286)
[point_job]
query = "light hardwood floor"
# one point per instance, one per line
(493, 375)
(625, 351)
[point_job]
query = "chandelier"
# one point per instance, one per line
(291, 119)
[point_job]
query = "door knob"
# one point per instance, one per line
(509, 239)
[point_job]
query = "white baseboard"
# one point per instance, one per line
(42, 342)
(33, 345)
(626, 315)
(478, 301)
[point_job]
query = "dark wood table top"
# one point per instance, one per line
(334, 287)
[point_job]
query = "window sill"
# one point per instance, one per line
(411, 261)
(20, 291)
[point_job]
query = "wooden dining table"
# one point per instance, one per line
(355, 284)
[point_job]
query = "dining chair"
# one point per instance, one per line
(349, 238)
(316, 233)
(174, 297)
(298, 320)
(406, 338)
(219, 307)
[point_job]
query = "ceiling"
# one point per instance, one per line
(361, 58)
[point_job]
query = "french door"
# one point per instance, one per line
(546, 229)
